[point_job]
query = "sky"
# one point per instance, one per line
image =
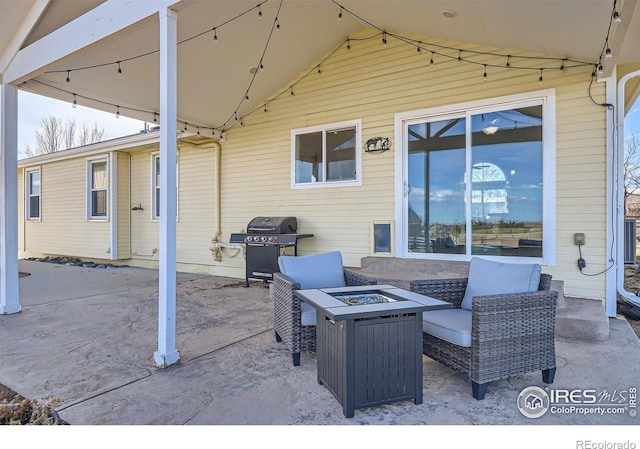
(33, 108)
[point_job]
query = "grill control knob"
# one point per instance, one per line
(272, 239)
(247, 238)
(263, 238)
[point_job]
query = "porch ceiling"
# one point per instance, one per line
(214, 76)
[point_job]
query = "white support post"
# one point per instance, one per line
(167, 353)
(9, 297)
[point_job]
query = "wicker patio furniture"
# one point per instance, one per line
(502, 335)
(294, 320)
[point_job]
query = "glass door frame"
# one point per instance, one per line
(544, 98)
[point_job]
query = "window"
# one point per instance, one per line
(155, 186)
(480, 181)
(98, 187)
(33, 194)
(326, 156)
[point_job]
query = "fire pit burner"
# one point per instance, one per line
(365, 298)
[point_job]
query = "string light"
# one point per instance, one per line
(419, 45)
(155, 117)
(68, 76)
(215, 35)
(118, 112)
(608, 53)
(616, 17)
(75, 101)
(340, 14)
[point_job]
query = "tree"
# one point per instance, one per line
(55, 135)
(631, 169)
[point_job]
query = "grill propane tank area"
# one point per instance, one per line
(266, 239)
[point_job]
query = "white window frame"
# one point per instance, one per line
(154, 212)
(544, 98)
(90, 162)
(27, 181)
(357, 124)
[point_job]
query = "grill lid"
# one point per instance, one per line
(273, 225)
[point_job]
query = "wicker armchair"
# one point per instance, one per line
(510, 333)
(298, 332)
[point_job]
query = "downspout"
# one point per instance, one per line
(619, 186)
(216, 251)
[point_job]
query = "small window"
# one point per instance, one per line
(155, 187)
(33, 194)
(98, 189)
(326, 156)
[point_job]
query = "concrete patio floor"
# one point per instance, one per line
(87, 337)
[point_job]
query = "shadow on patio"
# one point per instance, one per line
(92, 348)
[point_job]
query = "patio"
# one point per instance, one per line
(91, 347)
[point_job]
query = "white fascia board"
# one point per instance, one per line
(21, 35)
(87, 30)
(118, 144)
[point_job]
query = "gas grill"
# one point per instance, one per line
(266, 239)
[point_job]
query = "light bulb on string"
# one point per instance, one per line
(68, 80)
(608, 53)
(261, 66)
(198, 130)
(119, 68)
(348, 44)
(340, 14)
(265, 108)
(75, 101)
(155, 117)
(277, 24)
(600, 69)
(418, 49)
(185, 126)
(459, 55)
(508, 65)
(616, 17)
(484, 75)
(246, 97)
(384, 39)
(431, 61)
(292, 90)
(319, 71)
(562, 67)
(540, 79)
(117, 111)
(215, 35)
(259, 15)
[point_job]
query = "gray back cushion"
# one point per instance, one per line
(323, 270)
(488, 277)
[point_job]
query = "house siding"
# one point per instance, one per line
(63, 228)
(372, 83)
(368, 83)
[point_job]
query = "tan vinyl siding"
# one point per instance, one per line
(63, 228)
(372, 83)
(144, 231)
(123, 205)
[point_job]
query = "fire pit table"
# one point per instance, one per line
(369, 343)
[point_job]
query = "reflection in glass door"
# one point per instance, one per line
(435, 204)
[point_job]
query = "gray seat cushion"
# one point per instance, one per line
(308, 314)
(488, 277)
(323, 270)
(452, 325)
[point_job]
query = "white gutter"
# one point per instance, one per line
(619, 187)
